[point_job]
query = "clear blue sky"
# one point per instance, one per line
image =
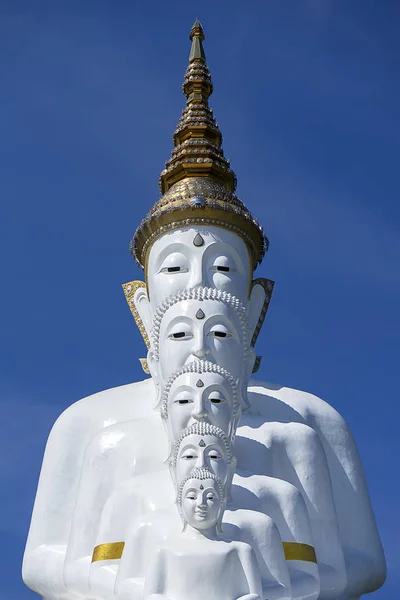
(307, 98)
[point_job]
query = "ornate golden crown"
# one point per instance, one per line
(197, 184)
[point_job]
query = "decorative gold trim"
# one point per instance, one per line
(268, 286)
(257, 364)
(129, 292)
(177, 217)
(297, 551)
(108, 551)
(145, 366)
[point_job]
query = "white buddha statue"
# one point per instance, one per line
(200, 235)
(197, 563)
(220, 313)
(147, 503)
(158, 521)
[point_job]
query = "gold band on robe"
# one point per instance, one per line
(108, 551)
(296, 551)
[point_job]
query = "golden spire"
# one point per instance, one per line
(197, 140)
(197, 184)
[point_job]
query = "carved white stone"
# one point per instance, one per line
(110, 448)
(178, 336)
(155, 493)
(202, 446)
(217, 401)
(195, 562)
(175, 263)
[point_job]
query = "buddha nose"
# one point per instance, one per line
(201, 503)
(198, 278)
(199, 413)
(201, 461)
(200, 349)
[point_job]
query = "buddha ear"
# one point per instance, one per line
(154, 370)
(260, 297)
(136, 296)
(257, 298)
(143, 308)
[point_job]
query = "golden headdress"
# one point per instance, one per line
(197, 184)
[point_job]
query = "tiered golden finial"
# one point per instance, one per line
(197, 139)
(197, 184)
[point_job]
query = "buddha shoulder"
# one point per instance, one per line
(108, 407)
(290, 404)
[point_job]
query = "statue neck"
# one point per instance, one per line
(210, 533)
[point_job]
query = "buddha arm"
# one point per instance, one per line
(284, 503)
(298, 457)
(101, 471)
(249, 565)
(44, 556)
(156, 576)
(260, 532)
(364, 557)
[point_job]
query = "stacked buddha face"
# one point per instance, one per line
(201, 392)
(203, 322)
(201, 500)
(200, 313)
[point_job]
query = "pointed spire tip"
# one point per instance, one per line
(197, 30)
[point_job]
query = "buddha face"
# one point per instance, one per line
(197, 397)
(193, 330)
(198, 256)
(201, 503)
(202, 451)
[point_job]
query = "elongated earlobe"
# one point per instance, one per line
(143, 307)
(154, 369)
(258, 305)
(139, 305)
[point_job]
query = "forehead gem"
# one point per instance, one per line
(202, 487)
(200, 314)
(199, 383)
(198, 240)
(198, 202)
(202, 443)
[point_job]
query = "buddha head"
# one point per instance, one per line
(196, 256)
(199, 234)
(201, 500)
(201, 324)
(202, 446)
(201, 392)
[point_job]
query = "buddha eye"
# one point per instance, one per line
(214, 456)
(174, 270)
(180, 335)
(216, 400)
(191, 496)
(220, 334)
(188, 457)
(182, 401)
(222, 269)
(210, 496)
